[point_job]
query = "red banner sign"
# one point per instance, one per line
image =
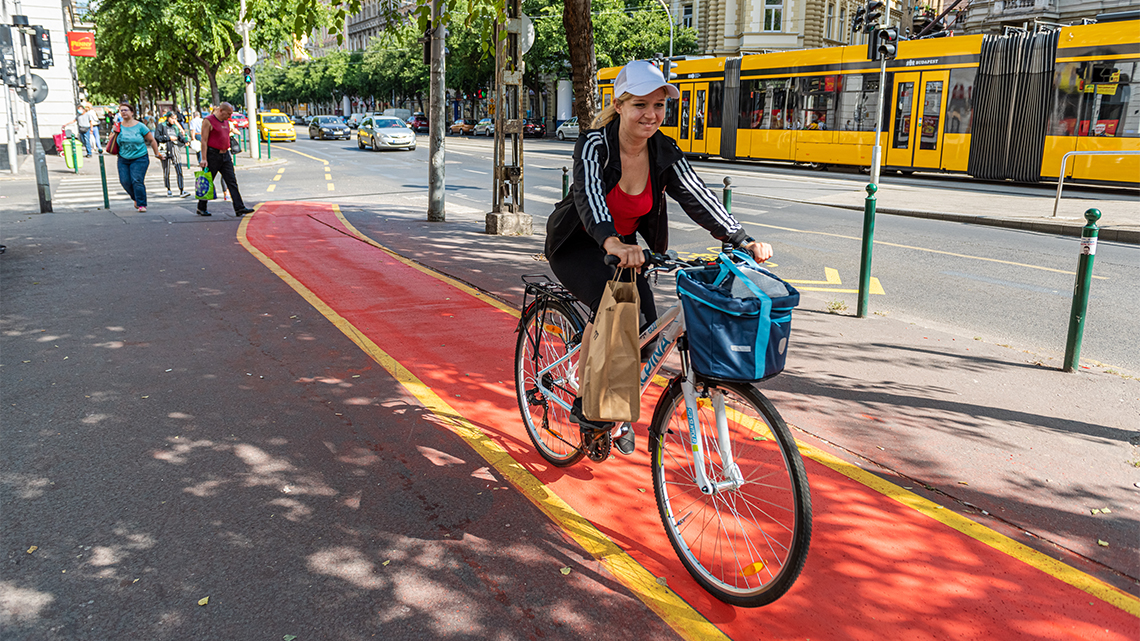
(81, 43)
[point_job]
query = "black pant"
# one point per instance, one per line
(218, 161)
(166, 163)
(579, 264)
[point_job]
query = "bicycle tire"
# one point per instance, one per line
(749, 559)
(548, 424)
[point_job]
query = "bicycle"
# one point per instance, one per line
(728, 479)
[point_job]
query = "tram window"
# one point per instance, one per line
(818, 109)
(670, 113)
(751, 104)
(768, 104)
(931, 110)
(858, 102)
(1068, 83)
(902, 115)
(716, 99)
(699, 115)
(685, 115)
(960, 105)
(1107, 108)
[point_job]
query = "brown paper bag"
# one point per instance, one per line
(611, 389)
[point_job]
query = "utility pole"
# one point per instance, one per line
(437, 119)
(669, 15)
(250, 89)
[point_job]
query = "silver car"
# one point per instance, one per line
(485, 127)
(568, 129)
(378, 132)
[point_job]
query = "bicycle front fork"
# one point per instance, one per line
(732, 478)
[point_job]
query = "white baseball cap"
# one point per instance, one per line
(641, 78)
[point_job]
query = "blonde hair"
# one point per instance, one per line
(610, 112)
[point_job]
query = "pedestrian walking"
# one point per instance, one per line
(216, 144)
(133, 137)
(196, 133)
(84, 120)
(172, 137)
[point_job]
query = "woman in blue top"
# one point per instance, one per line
(133, 138)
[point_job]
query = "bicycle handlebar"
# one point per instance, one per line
(659, 262)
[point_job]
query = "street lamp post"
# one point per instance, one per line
(670, 16)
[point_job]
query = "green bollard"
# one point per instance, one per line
(103, 174)
(1081, 290)
(565, 182)
(868, 246)
(74, 154)
(187, 148)
(268, 146)
(726, 196)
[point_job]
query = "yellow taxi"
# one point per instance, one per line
(276, 126)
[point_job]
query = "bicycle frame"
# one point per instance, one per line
(671, 325)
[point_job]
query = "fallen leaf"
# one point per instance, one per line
(1095, 511)
(33, 549)
(288, 637)
(661, 580)
(386, 561)
(565, 571)
(204, 600)
(1105, 510)
(962, 483)
(1103, 544)
(641, 489)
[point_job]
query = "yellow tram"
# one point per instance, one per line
(993, 107)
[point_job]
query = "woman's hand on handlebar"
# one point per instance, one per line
(760, 251)
(629, 255)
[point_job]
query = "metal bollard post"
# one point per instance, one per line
(74, 153)
(1081, 290)
(726, 197)
(103, 174)
(868, 247)
(268, 146)
(565, 182)
(187, 148)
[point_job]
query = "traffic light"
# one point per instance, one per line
(873, 16)
(888, 41)
(426, 42)
(666, 66)
(7, 58)
(857, 21)
(41, 48)
(247, 74)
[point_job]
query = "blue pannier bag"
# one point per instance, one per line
(738, 318)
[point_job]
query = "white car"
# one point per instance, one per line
(485, 127)
(379, 132)
(568, 129)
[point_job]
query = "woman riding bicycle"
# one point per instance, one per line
(623, 167)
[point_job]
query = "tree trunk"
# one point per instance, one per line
(583, 64)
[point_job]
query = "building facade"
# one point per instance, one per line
(993, 16)
(63, 92)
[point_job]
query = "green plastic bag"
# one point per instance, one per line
(203, 185)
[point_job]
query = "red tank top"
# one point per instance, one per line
(219, 133)
(627, 210)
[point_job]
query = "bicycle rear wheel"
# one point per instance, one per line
(547, 334)
(747, 545)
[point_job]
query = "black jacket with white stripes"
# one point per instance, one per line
(597, 170)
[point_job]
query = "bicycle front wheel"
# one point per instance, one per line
(548, 333)
(746, 544)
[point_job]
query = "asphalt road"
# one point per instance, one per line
(1004, 286)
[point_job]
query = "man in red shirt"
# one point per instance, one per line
(216, 156)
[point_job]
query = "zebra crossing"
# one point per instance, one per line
(86, 192)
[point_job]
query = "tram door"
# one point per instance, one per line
(692, 116)
(916, 126)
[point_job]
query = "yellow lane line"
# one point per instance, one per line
(977, 531)
(924, 249)
(294, 151)
(1074, 577)
(330, 186)
(278, 176)
(686, 621)
(271, 187)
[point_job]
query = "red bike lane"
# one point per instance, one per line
(881, 565)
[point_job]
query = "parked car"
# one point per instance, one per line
(238, 120)
(568, 129)
(301, 119)
(418, 122)
(461, 127)
(274, 125)
(534, 127)
(378, 132)
(485, 127)
(329, 127)
(355, 119)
